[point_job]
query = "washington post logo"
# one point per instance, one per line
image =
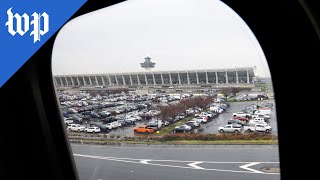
(23, 25)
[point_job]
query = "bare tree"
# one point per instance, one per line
(226, 92)
(164, 112)
(185, 104)
(235, 90)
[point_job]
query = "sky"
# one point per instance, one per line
(175, 34)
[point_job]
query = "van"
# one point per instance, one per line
(263, 111)
(259, 119)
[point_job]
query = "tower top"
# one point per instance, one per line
(147, 64)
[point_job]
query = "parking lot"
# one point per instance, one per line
(222, 119)
(87, 110)
(210, 127)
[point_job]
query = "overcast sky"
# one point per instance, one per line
(176, 34)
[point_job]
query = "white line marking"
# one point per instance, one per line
(194, 165)
(144, 161)
(147, 162)
(191, 161)
(246, 167)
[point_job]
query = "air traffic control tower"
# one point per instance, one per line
(147, 64)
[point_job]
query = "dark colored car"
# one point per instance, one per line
(75, 118)
(180, 129)
(109, 120)
(94, 115)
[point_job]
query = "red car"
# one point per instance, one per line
(241, 118)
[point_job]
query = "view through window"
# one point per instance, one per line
(166, 89)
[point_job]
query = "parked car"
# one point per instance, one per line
(68, 121)
(113, 124)
(235, 121)
(240, 120)
(216, 109)
(92, 129)
(76, 127)
(195, 123)
(180, 116)
(203, 119)
(263, 111)
(122, 122)
(204, 114)
(190, 124)
(153, 126)
(182, 129)
(104, 114)
(72, 111)
(257, 121)
(143, 129)
(167, 123)
(156, 124)
(130, 120)
(107, 126)
(77, 118)
(241, 114)
(94, 115)
(230, 128)
(258, 128)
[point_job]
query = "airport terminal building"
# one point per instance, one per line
(239, 76)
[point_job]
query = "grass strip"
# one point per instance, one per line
(181, 142)
(170, 128)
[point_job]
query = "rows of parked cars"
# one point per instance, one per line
(80, 128)
(250, 97)
(110, 111)
(201, 117)
(251, 119)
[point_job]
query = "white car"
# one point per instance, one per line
(195, 123)
(92, 129)
(204, 114)
(258, 128)
(107, 126)
(118, 124)
(133, 118)
(230, 128)
(76, 127)
(241, 114)
(216, 109)
(203, 119)
(113, 124)
(257, 121)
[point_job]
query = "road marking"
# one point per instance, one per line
(246, 167)
(144, 161)
(169, 160)
(173, 160)
(192, 165)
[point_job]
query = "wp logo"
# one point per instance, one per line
(39, 24)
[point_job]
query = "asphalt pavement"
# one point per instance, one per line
(240, 162)
(212, 127)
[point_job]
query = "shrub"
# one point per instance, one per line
(213, 137)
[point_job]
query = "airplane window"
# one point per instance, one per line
(161, 79)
